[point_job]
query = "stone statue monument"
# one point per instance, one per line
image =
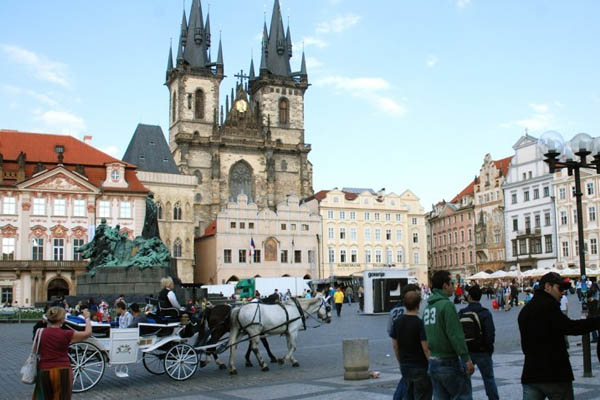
(111, 248)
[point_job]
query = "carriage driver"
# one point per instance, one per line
(168, 299)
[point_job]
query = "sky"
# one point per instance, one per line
(404, 94)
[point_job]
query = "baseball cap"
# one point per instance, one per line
(554, 278)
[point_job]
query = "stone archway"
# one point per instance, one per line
(307, 276)
(57, 287)
(233, 278)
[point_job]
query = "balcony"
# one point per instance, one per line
(529, 232)
(22, 265)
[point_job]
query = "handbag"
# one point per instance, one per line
(29, 369)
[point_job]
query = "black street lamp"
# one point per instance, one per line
(573, 156)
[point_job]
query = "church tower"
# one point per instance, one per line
(193, 82)
(253, 145)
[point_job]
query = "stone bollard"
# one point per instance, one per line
(356, 359)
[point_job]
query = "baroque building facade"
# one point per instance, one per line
(489, 214)
(452, 239)
(566, 218)
(245, 241)
(363, 230)
(54, 190)
(254, 144)
(174, 194)
(529, 214)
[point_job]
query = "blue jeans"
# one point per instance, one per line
(450, 379)
(418, 383)
(400, 390)
(486, 367)
(553, 391)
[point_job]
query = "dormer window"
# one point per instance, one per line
(115, 175)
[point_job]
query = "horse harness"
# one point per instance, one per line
(287, 322)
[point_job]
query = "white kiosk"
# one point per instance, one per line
(382, 288)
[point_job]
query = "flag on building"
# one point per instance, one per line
(252, 247)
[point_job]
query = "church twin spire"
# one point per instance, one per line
(193, 49)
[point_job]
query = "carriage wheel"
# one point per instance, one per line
(87, 363)
(154, 361)
(181, 362)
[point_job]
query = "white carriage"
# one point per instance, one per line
(160, 347)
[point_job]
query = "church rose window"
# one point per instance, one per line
(240, 181)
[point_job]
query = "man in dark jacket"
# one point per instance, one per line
(514, 294)
(482, 347)
(547, 369)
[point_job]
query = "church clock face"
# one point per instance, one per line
(241, 106)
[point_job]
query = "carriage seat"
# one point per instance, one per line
(161, 313)
(99, 330)
(158, 329)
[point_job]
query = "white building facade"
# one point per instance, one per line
(529, 213)
(364, 230)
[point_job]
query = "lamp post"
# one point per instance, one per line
(573, 156)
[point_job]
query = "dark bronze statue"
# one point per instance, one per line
(111, 248)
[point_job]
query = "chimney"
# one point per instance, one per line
(87, 139)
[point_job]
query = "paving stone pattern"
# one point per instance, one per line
(319, 376)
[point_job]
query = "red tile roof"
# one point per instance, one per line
(211, 229)
(40, 148)
(320, 195)
(468, 191)
(503, 165)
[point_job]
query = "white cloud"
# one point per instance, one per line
(311, 41)
(14, 91)
(313, 63)
(462, 3)
(354, 83)
(338, 24)
(539, 108)
(111, 150)
(62, 122)
(432, 61)
(367, 89)
(41, 67)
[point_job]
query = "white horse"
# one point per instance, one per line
(274, 319)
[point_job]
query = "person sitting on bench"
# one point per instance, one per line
(137, 316)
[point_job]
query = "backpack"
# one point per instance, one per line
(473, 332)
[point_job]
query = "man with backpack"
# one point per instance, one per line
(450, 365)
(478, 325)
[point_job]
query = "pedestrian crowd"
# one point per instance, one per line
(438, 349)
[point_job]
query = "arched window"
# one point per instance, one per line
(177, 212)
(198, 175)
(284, 111)
(198, 198)
(159, 210)
(283, 165)
(174, 107)
(177, 248)
(240, 180)
(199, 104)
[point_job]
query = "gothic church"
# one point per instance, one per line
(254, 144)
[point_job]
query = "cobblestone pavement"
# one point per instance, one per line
(320, 373)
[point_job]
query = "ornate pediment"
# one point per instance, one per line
(8, 230)
(59, 182)
(59, 179)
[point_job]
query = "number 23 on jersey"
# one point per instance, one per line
(429, 316)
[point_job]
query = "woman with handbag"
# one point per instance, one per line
(54, 380)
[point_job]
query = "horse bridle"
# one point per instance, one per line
(327, 311)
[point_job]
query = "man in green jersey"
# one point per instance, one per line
(450, 365)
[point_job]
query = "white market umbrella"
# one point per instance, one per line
(479, 276)
(498, 274)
